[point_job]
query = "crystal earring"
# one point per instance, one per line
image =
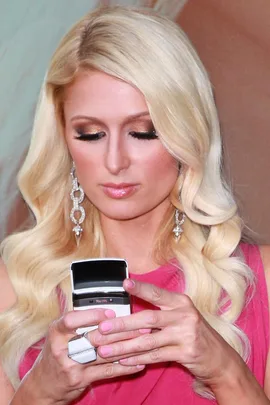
(178, 230)
(77, 196)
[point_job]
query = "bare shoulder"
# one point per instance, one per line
(7, 299)
(6, 389)
(265, 254)
(7, 296)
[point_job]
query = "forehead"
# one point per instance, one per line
(98, 94)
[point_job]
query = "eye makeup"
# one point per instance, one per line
(144, 135)
(90, 136)
(143, 130)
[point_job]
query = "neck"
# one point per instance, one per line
(134, 239)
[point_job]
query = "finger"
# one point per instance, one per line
(89, 373)
(62, 330)
(157, 296)
(113, 359)
(76, 319)
(109, 370)
(66, 361)
(139, 345)
(97, 339)
(160, 355)
(152, 319)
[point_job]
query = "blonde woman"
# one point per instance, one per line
(127, 109)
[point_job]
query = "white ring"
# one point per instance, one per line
(81, 350)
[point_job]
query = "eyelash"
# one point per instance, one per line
(98, 135)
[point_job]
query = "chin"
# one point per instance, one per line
(121, 215)
(122, 212)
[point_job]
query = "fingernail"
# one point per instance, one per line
(106, 326)
(105, 350)
(110, 313)
(140, 366)
(130, 283)
(124, 361)
(143, 331)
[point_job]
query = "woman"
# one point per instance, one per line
(128, 110)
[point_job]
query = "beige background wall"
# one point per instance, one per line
(233, 40)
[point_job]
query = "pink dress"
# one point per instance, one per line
(169, 383)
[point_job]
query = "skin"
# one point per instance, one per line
(117, 158)
(175, 333)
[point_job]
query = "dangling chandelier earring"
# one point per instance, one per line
(77, 196)
(178, 230)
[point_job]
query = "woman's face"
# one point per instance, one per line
(121, 164)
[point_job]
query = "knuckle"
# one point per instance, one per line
(185, 300)
(96, 338)
(120, 324)
(56, 352)
(108, 371)
(120, 348)
(73, 377)
(156, 293)
(155, 355)
(153, 318)
(148, 342)
(191, 352)
(95, 315)
(67, 320)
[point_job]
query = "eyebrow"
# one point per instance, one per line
(129, 118)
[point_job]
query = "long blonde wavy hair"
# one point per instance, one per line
(154, 55)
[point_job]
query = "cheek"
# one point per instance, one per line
(85, 161)
(162, 168)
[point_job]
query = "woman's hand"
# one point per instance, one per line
(55, 378)
(179, 333)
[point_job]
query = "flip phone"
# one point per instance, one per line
(98, 283)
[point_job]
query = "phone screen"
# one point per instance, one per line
(97, 272)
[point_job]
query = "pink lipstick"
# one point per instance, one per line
(118, 191)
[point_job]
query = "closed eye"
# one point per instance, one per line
(90, 137)
(144, 135)
(148, 135)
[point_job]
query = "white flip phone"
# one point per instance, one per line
(98, 283)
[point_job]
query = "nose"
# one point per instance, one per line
(117, 157)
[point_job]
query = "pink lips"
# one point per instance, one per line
(118, 191)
